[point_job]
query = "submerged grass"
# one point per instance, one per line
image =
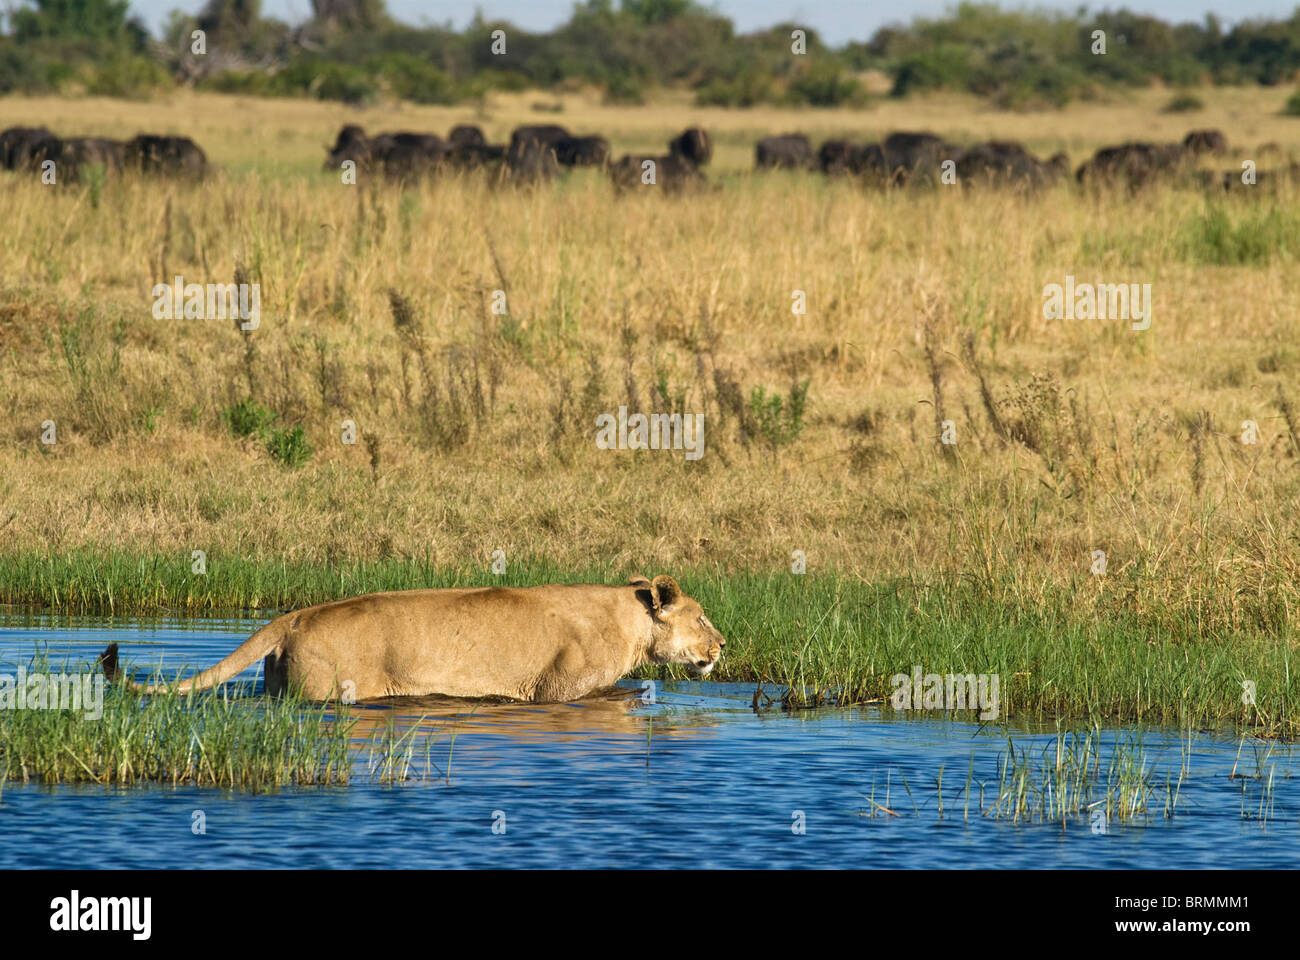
(1078, 778)
(223, 738)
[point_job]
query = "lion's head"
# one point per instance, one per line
(681, 632)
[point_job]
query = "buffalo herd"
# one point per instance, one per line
(916, 158)
(537, 152)
(32, 149)
(534, 152)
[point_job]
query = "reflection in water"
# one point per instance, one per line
(619, 712)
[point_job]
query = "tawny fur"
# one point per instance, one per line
(542, 644)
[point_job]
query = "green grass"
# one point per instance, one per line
(1071, 779)
(1220, 237)
(1084, 652)
(208, 740)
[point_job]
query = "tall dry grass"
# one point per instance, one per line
(476, 429)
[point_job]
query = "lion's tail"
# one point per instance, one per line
(264, 641)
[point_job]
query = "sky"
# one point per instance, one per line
(838, 21)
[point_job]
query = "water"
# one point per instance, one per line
(698, 779)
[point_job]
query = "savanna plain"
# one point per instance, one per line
(1113, 530)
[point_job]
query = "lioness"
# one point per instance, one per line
(541, 644)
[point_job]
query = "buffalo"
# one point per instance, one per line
(548, 134)
(407, 156)
(471, 156)
(835, 156)
(74, 154)
(165, 156)
(351, 144)
(467, 135)
(1006, 163)
(17, 144)
(842, 157)
(1206, 141)
(671, 174)
(582, 151)
(402, 156)
(1134, 163)
(693, 146)
(1264, 179)
(916, 156)
(790, 151)
(531, 160)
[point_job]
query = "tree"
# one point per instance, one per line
(67, 19)
(350, 14)
(658, 11)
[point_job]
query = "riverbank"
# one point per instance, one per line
(1079, 653)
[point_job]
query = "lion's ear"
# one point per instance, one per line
(666, 590)
(645, 592)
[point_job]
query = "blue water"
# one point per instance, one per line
(697, 779)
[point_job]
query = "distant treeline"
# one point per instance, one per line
(353, 51)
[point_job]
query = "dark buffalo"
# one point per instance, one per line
(401, 155)
(916, 156)
(408, 156)
(672, 174)
(530, 160)
(429, 144)
(693, 146)
(1006, 163)
(582, 151)
(1265, 180)
(868, 160)
(351, 144)
(471, 156)
(1206, 141)
(547, 134)
(1134, 163)
(17, 145)
(165, 156)
(790, 151)
(835, 156)
(467, 135)
(75, 154)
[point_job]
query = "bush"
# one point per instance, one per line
(779, 422)
(1183, 103)
(22, 71)
(325, 80)
(485, 81)
(943, 66)
(824, 85)
(624, 90)
(1292, 107)
(288, 446)
(411, 78)
(127, 76)
(247, 418)
(1248, 238)
(746, 89)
